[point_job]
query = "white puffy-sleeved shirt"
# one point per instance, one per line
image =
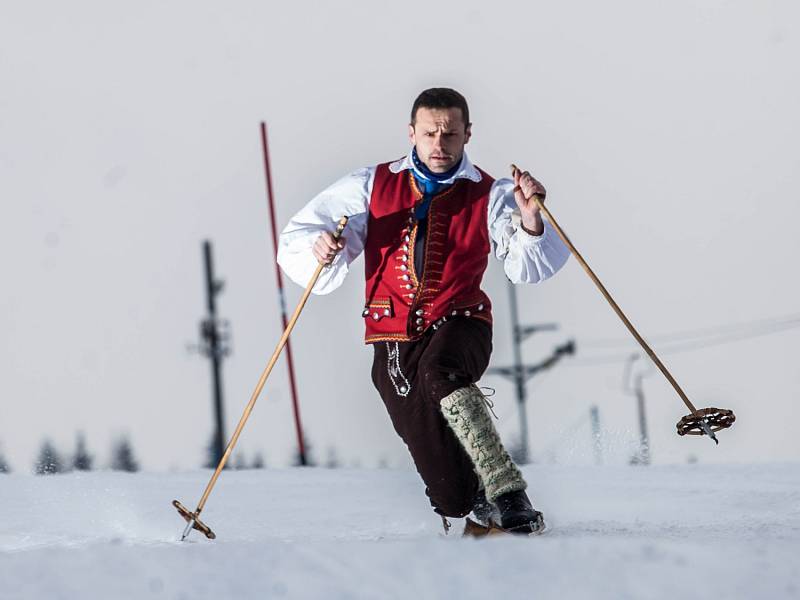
(526, 258)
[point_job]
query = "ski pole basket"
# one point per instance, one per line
(706, 421)
(193, 522)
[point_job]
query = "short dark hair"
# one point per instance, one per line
(440, 98)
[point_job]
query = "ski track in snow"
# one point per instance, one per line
(614, 532)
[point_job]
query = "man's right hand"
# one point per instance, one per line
(327, 247)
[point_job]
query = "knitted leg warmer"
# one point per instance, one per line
(466, 413)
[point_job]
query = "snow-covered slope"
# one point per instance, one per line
(616, 532)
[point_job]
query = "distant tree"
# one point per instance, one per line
(238, 462)
(4, 468)
(82, 461)
(258, 462)
(48, 462)
(122, 458)
(332, 462)
(383, 463)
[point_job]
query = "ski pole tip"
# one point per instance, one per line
(187, 530)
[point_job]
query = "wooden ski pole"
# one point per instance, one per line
(192, 518)
(705, 421)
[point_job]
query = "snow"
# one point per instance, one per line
(690, 531)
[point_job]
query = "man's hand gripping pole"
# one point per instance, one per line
(193, 518)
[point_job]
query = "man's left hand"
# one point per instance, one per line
(525, 188)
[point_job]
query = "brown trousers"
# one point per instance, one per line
(412, 378)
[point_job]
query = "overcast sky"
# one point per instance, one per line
(665, 133)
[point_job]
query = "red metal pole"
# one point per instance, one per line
(282, 299)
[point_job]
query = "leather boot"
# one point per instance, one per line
(517, 515)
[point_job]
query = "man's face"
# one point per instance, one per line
(439, 135)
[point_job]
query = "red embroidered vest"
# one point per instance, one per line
(400, 306)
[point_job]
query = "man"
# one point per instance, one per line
(426, 224)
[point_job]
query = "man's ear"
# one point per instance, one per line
(411, 133)
(468, 133)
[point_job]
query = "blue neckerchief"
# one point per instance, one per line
(426, 173)
(429, 183)
(429, 189)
